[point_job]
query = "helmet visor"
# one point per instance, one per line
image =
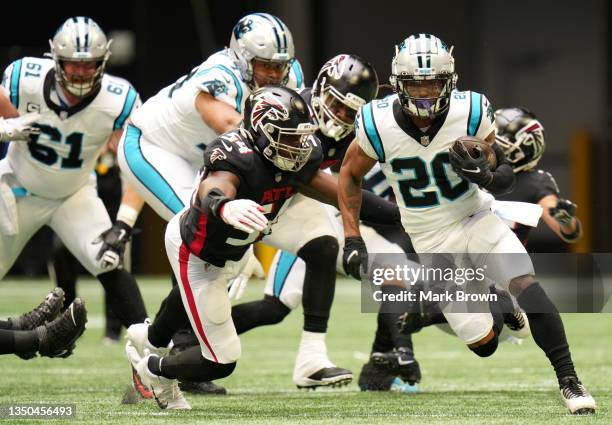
(270, 72)
(289, 149)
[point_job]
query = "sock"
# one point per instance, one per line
(189, 365)
(12, 342)
(383, 340)
(170, 318)
(547, 328)
(113, 324)
(124, 296)
(5, 324)
(389, 314)
(267, 311)
(65, 270)
(319, 281)
(498, 317)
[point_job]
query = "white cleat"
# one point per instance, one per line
(166, 391)
(576, 397)
(138, 335)
(312, 366)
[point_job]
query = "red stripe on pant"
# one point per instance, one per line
(184, 265)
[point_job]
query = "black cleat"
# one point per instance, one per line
(374, 377)
(44, 313)
(202, 388)
(327, 377)
(399, 362)
(576, 397)
(56, 339)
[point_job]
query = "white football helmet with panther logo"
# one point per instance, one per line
(263, 37)
(79, 39)
(423, 61)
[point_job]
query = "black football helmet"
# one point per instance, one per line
(279, 121)
(521, 136)
(344, 84)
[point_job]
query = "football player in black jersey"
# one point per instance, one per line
(343, 84)
(249, 175)
(521, 136)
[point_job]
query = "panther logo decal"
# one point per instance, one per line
(216, 87)
(242, 27)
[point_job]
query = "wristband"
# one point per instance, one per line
(127, 214)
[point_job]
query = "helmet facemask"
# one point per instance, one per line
(528, 146)
(79, 85)
(281, 66)
(288, 148)
(434, 103)
(335, 111)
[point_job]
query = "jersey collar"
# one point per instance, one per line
(65, 111)
(407, 125)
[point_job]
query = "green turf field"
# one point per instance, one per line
(515, 386)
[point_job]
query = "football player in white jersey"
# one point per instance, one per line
(438, 191)
(47, 179)
(162, 148)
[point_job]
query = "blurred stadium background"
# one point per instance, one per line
(553, 60)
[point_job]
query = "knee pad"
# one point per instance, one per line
(487, 349)
(215, 303)
(323, 247)
(276, 311)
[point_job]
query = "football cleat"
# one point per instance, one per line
(375, 377)
(515, 320)
(166, 391)
(575, 396)
(56, 339)
(312, 366)
(138, 335)
(45, 312)
(399, 362)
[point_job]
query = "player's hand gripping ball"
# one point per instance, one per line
(474, 159)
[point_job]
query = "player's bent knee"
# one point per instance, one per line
(520, 283)
(224, 370)
(487, 349)
(321, 248)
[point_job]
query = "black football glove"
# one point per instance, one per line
(473, 169)
(113, 245)
(355, 257)
(564, 212)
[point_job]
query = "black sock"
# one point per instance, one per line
(113, 324)
(383, 341)
(389, 314)
(498, 317)
(267, 311)
(12, 342)
(319, 282)
(170, 318)
(66, 271)
(6, 324)
(124, 296)
(547, 328)
(189, 365)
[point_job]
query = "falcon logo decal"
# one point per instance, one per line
(335, 67)
(268, 107)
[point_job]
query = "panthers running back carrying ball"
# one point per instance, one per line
(47, 180)
(437, 189)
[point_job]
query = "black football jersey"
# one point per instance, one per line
(209, 237)
(333, 151)
(531, 187)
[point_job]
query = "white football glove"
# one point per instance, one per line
(19, 129)
(244, 214)
(252, 267)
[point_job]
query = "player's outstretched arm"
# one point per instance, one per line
(560, 216)
(218, 115)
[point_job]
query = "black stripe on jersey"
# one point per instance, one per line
(71, 110)
(408, 126)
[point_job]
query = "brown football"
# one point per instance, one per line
(473, 144)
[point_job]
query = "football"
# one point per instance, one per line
(474, 144)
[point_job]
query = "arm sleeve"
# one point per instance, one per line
(10, 82)
(222, 84)
(545, 186)
(376, 210)
(503, 175)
